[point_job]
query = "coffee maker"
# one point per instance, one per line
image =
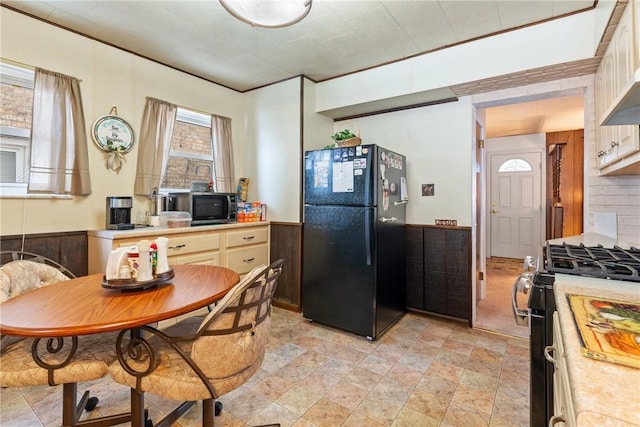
(119, 213)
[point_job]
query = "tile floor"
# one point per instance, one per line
(494, 312)
(425, 371)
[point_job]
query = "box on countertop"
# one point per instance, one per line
(251, 212)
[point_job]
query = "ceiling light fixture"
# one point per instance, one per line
(268, 13)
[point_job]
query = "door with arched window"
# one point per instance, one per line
(515, 209)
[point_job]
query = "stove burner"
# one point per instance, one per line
(594, 261)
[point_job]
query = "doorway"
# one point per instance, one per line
(531, 114)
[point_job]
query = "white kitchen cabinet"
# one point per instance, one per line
(240, 247)
(563, 410)
(617, 143)
(247, 249)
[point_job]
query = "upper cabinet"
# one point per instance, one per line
(619, 145)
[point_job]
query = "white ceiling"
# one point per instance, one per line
(336, 38)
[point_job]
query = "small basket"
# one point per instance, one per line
(351, 142)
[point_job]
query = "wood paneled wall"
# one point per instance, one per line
(286, 242)
(68, 248)
(571, 181)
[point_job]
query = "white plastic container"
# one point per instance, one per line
(174, 219)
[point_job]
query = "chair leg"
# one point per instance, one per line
(208, 412)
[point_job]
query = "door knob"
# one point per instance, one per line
(494, 211)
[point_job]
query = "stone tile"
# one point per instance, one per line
(347, 394)
(437, 385)
(410, 418)
(273, 414)
(445, 370)
(432, 405)
(380, 408)
(424, 371)
(272, 387)
(357, 420)
(327, 413)
(458, 415)
(299, 399)
(477, 399)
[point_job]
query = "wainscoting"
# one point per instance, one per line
(67, 248)
(286, 242)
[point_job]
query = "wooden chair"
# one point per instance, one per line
(202, 359)
(54, 361)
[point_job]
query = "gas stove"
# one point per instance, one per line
(613, 263)
(565, 261)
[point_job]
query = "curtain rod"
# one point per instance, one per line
(20, 64)
(23, 65)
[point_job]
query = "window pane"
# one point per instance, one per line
(190, 154)
(16, 92)
(8, 165)
(190, 138)
(515, 165)
(181, 172)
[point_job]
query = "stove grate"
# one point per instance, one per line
(594, 261)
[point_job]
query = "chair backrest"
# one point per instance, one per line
(8, 256)
(233, 337)
(26, 271)
(22, 272)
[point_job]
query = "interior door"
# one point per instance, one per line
(515, 205)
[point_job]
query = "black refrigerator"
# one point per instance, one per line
(353, 267)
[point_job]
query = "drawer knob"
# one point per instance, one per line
(249, 237)
(249, 260)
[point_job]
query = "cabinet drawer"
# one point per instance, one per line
(242, 260)
(247, 237)
(203, 258)
(195, 243)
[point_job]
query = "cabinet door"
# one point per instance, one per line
(435, 273)
(605, 89)
(243, 260)
(458, 274)
(201, 258)
(414, 267)
(248, 236)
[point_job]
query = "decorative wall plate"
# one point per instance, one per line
(113, 133)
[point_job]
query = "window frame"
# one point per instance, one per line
(21, 76)
(193, 117)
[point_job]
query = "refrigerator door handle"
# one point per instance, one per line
(401, 202)
(385, 219)
(367, 235)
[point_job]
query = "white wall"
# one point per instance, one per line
(568, 39)
(110, 77)
(438, 141)
(273, 148)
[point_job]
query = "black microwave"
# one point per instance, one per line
(205, 207)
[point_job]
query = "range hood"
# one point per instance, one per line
(625, 110)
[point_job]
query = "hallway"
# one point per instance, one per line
(494, 312)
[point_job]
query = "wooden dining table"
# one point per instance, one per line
(84, 306)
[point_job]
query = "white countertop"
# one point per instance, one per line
(154, 231)
(604, 394)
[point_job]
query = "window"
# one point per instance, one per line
(515, 165)
(191, 153)
(16, 92)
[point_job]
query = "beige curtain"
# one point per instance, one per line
(156, 131)
(59, 153)
(222, 154)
